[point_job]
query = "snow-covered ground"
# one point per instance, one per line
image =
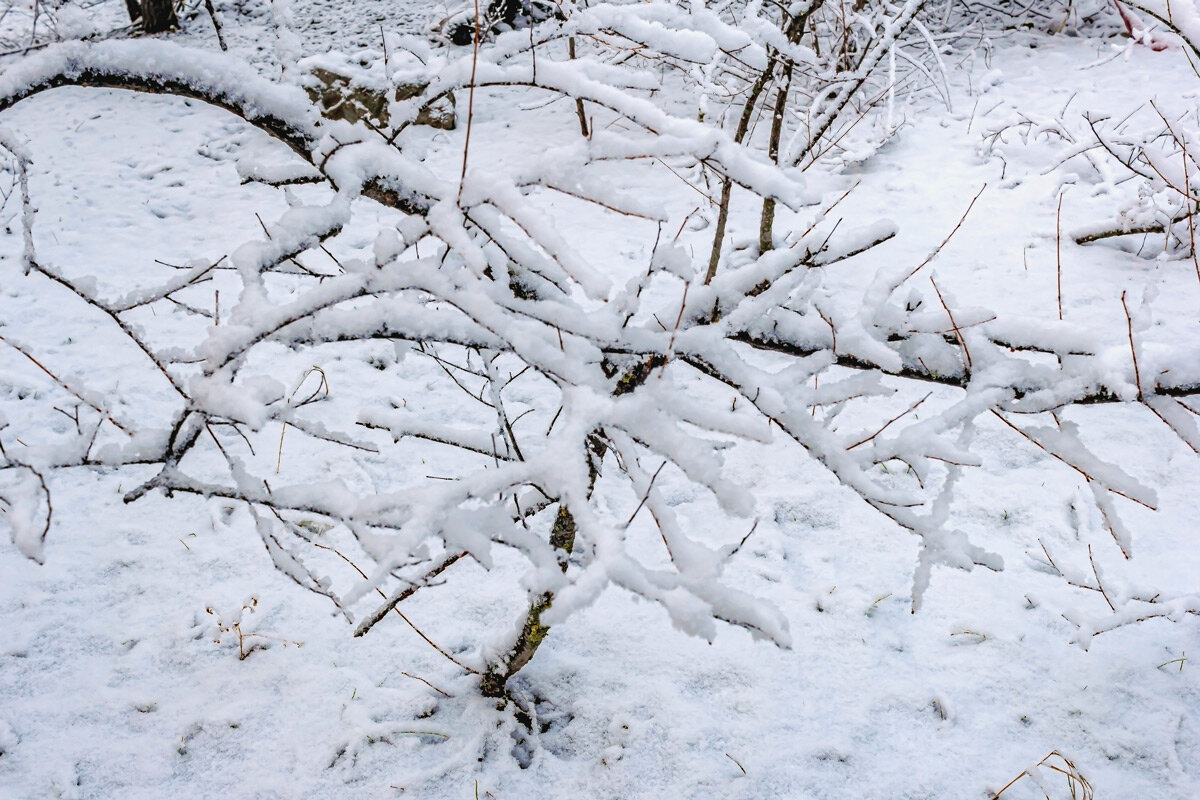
(120, 674)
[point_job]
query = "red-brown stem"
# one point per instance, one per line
(1137, 375)
(949, 236)
(1070, 464)
(579, 110)
(957, 333)
(470, 103)
(888, 424)
(1058, 253)
(1187, 198)
(60, 382)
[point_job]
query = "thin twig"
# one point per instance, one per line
(1058, 253)
(418, 631)
(933, 253)
(579, 109)
(1132, 349)
(408, 591)
(887, 424)
(65, 386)
(470, 103)
(645, 495)
(1070, 464)
(216, 21)
(427, 683)
(1100, 583)
(957, 333)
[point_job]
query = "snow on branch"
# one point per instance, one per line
(165, 68)
(578, 386)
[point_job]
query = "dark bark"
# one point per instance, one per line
(562, 538)
(298, 137)
(794, 31)
(766, 224)
(495, 680)
(158, 16)
(579, 110)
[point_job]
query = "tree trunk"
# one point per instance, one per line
(562, 539)
(158, 16)
(495, 680)
(793, 30)
(766, 224)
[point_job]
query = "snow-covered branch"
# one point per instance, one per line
(579, 384)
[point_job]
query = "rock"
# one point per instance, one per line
(339, 98)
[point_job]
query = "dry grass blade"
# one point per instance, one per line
(321, 392)
(1078, 787)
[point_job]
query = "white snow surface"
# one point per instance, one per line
(120, 674)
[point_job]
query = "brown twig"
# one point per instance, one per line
(1135, 230)
(125, 327)
(1058, 253)
(887, 424)
(1073, 466)
(216, 21)
(957, 333)
(1191, 216)
(1132, 349)
(65, 386)
(427, 683)
(645, 495)
(379, 591)
(579, 109)
(933, 253)
(1100, 583)
(470, 103)
(1109, 515)
(408, 591)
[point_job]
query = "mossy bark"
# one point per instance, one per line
(562, 539)
(495, 680)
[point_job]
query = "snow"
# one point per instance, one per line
(157, 649)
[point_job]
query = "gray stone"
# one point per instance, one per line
(338, 98)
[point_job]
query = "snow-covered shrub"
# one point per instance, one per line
(984, 18)
(29, 24)
(583, 377)
(1158, 151)
(1145, 160)
(1160, 154)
